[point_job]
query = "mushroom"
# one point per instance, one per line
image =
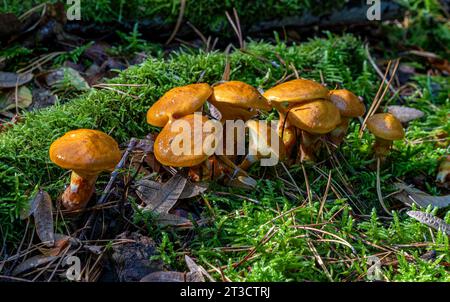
(87, 153)
(314, 118)
(178, 102)
(264, 142)
(181, 145)
(443, 175)
(386, 128)
(288, 94)
(237, 100)
(349, 106)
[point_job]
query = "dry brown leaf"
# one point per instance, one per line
(431, 221)
(43, 218)
(164, 277)
(147, 190)
(32, 263)
(168, 195)
(12, 79)
(61, 242)
(167, 219)
(9, 100)
(405, 114)
(410, 195)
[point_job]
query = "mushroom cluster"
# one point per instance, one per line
(310, 115)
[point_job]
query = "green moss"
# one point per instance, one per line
(206, 15)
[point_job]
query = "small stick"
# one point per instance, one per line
(379, 194)
(108, 188)
(179, 20)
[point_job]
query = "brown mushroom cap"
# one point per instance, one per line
(385, 126)
(347, 102)
(319, 117)
(178, 102)
(164, 152)
(263, 137)
(85, 151)
(239, 94)
(296, 91)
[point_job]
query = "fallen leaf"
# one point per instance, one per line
(147, 190)
(196, 271)
(168, 195)
(61, 242)
(65, 77)
(8, 100)
(405, 114)
(215, 113)
(32, 263)
(167, 219)
(43, 218)
(164, 277)
(410, 195)
(431, 221)
(12, 79)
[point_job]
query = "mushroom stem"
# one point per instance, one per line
(210, 169)
(381, 148)
(338, 134)
(308, 147)
(80, 190)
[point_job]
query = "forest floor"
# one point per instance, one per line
(341, 219)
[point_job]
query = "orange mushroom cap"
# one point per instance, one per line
(347, 102)
(239, 94)
(385, 126)
(317, 117)
(178, 102)
(85, 151)
(164, 151)
(296, 91)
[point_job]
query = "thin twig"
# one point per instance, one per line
(179, 20)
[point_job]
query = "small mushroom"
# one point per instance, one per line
(178, 102)
(170, 148)
(314, 119)
(87, 153)
(386, 128)
(264, 142)
(187, 155)
(237, 100)
(350, 106)
(288, 94)
(443, 175)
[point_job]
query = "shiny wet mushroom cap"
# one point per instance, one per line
(347, 102)
(385, 126)
(178, 102)
(317, 117)
(85, 151)
(237, 100)
(170, 143)
(296, 91)
(239, 94)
